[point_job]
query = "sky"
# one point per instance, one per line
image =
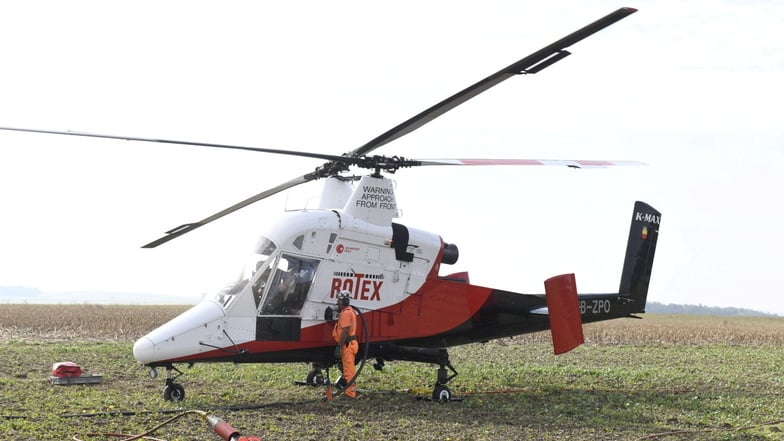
(691, 88)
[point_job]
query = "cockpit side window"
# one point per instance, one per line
(260, 285)
(290, 285)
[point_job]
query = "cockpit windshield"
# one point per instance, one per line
(259, 260)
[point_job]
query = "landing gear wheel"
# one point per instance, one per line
(441, 393)
(173, 392)
(315, 378)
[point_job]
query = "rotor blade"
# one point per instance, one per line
(185, 228)
(531, 64)
(334, 158)
(557, 162)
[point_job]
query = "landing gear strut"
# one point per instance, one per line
(173, 391)
(440, 391)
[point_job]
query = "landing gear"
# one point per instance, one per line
(315, 377)
(441, 392)
(173, 391)
(438, 356)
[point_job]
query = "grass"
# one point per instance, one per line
(694, 378)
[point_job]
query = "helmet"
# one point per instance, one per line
(344, 296)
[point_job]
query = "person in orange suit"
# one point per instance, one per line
(345, 335)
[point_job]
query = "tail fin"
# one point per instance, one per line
(640, 248)
(566, 325)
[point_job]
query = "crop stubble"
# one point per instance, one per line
(706, 376)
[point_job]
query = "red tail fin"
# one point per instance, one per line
(566, 324)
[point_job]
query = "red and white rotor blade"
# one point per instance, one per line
(557, 162)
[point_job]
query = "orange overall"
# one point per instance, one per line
(345, 335)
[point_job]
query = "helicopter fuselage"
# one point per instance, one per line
(281, 308)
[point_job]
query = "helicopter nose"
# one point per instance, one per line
(180, 336)
(143, 350)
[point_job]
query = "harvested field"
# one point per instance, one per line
(663, 378)
(82, 322)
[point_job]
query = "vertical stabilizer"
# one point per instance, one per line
(640, 248)
(566, 325)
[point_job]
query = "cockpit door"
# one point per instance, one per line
(287, 286)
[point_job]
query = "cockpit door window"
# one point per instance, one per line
(290, 285)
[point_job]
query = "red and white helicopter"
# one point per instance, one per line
(281, 307)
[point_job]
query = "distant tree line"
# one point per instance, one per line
(662, 308)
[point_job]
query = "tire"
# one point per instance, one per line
(441, 393)
(174, 392)
(315, 378)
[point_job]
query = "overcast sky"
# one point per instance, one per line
(692, 88)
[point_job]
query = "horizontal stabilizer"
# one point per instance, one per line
(566, 324)
(540, 311)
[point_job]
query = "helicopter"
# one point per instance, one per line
(281, 307)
